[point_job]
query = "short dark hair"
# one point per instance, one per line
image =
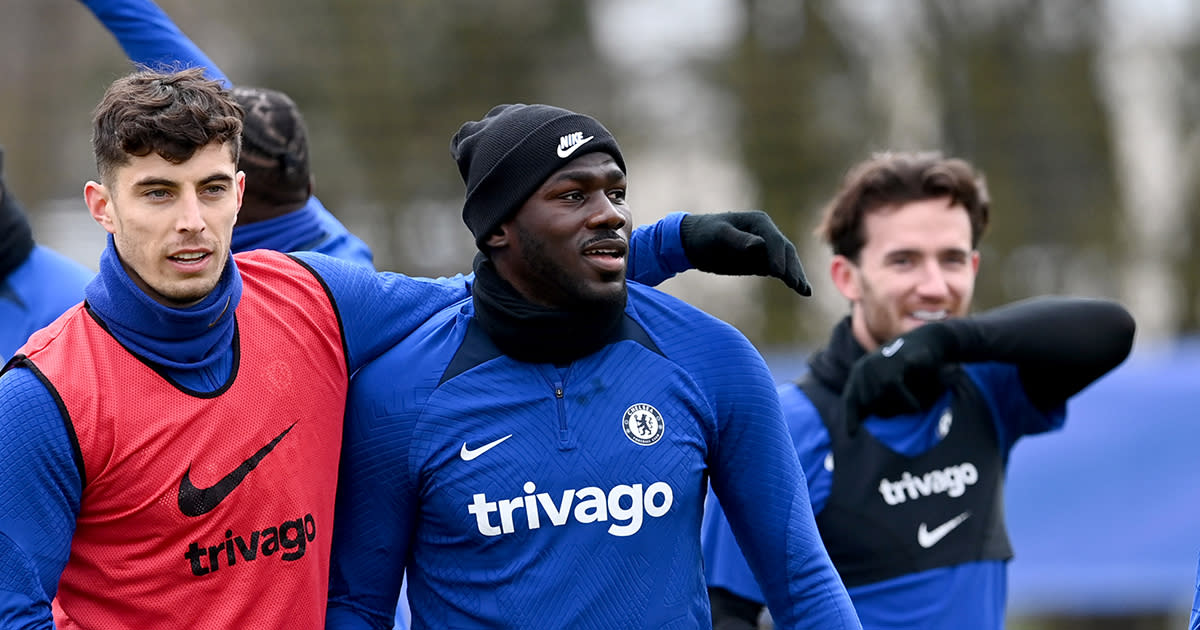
(894, 178)
(274, 148)
(172, 114)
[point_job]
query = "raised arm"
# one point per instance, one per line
(40, 490)
(1060, 345)
(149, 37)
(729, 243)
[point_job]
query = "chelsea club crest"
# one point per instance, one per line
(643, 424)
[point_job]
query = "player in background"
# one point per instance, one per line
(905, 420)
(36, 283)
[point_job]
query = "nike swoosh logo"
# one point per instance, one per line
(928, 539)
(195, 501)
(562, 153)
(468, 454)
(892, 348)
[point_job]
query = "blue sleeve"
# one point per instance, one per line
(379, 309)
(376, 501)
(724, 565)
(150, 38)
(656, 251)
(1015, 414)
(1194, 620)
(758, 479)
(342, 243)
(39, 500)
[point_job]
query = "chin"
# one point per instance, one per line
(605, 295)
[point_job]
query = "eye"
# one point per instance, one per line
(215, 189)
(954, 260)
(617, 194)
(157, 193)
(574, 195)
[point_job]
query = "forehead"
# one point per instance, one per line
(588, 165)
(215, 158)
(923, 225)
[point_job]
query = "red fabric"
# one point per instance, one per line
(260, 557)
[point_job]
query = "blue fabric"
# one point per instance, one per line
(407, 490)
(1132, 438)
(1194, 620)
(311, 228)
(35, 293)
(150, 38)
(195, 337)
(970, 595)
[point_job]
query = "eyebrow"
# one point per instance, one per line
(161, 181)
(582, 176)
(911, 251)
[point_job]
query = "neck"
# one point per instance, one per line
(187, 338)
(858, 326)
(536, 333)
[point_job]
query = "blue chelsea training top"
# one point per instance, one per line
(525, 495)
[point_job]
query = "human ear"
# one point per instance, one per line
(499, 237)
(99, 202)
(845, 275)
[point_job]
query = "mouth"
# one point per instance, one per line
(608, 254)
(190, 259)
(930, 316)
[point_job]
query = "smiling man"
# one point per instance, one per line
(536, 456)
(910, 507)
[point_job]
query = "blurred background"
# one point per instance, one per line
(1084, 115)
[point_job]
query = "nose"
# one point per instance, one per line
(190, 217)
(606, 214)
(933, 282)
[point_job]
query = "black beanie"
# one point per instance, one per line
(16, 238)
(508, 155)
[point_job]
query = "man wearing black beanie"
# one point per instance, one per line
(36, 283)
(537, 455)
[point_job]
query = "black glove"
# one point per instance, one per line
(742, 244)
(733, 612)
(901, 377)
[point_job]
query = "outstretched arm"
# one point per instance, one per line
(729, 243)
(150, 38)
(1060, 345)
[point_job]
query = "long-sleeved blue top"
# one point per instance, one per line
(40, 486)
(524, 495)
(1194, 620)
(150, 38)
(36, 293)
(967, 595)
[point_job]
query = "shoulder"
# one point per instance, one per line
(388, 395)
(671, 320)
(49, 282)
(803, 420)
(65, 270)
(420, 359)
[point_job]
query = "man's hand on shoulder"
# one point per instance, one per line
(742, 244)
